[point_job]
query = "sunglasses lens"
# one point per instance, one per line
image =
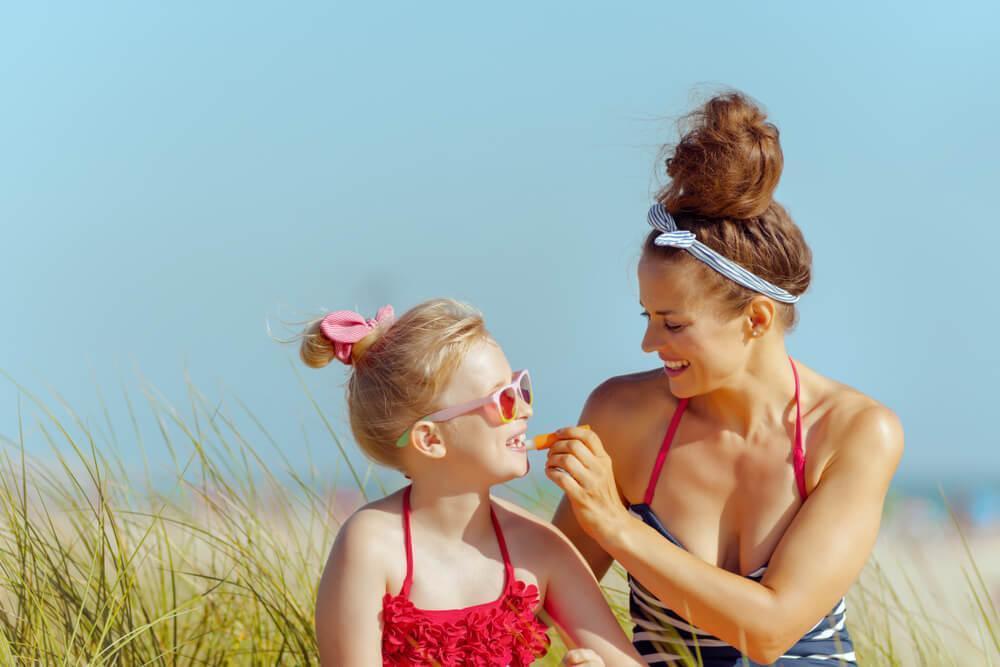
(526, 389)
(508, 403)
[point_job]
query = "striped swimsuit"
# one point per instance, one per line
(662, 637)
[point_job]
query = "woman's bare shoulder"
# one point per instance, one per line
(847, 419)
(626, 399)
(840, 406)
(631, 389)
(625, 411)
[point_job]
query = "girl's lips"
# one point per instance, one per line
(517, 443)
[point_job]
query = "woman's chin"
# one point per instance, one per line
(682, 387)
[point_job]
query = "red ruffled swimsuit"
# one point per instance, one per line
(499, 633)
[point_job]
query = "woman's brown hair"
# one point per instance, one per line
(723, 173)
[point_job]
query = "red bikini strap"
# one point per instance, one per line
(407, 538)
(798, 454)
(664, 448)
(408, 581)
(507, 565)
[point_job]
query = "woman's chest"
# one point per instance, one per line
(726, 502)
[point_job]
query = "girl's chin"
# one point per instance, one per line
(517, 472)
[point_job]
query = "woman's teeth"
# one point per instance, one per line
(676, 365)
(517, 443)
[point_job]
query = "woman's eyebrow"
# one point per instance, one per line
(658, 312)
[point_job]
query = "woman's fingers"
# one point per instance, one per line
(584, 435)
(582, 657)
(575, 447)
(569, 464)
(579, 465)
(564, 481)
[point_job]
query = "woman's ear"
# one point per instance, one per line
(425, 437)
(760, 316)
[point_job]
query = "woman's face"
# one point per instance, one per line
(701, 346)
(478, 444)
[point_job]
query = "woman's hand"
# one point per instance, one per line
(582, 657)
(579, 465)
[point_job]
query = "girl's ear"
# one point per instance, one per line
(425, 437)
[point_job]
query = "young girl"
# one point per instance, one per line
(441, 573)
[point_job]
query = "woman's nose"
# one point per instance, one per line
(652, 340)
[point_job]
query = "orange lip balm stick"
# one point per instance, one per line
(546, 440)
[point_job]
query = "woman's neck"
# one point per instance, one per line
(454, 512)
(758, 397)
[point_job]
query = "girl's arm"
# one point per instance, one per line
(349, 600)
(591, 550)
(815, 562)
(576, 605)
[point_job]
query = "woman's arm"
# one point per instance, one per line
(576, 605)
(349, 600)
(817, 559)
(593, 553)
(601, 412)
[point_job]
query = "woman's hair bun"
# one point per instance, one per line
(727, 163)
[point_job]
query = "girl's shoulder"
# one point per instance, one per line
(372, 536)
(537, 548)
(534, 543)
(383, 514)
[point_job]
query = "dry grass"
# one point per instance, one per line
(100, 566)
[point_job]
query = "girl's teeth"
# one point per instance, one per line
(516, 442)
(676, 365)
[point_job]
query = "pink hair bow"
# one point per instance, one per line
(345, 328)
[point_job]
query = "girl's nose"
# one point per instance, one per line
(523, 408)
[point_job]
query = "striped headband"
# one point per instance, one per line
(660, 219)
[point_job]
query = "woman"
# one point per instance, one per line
(741, 543)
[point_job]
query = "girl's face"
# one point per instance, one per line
(701, 348)
(477, 444)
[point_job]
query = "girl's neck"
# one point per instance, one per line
(459, 513)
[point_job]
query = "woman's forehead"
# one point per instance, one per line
(669, 286)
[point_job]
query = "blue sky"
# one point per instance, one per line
(174, 175)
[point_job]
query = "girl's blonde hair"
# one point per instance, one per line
(400, 370)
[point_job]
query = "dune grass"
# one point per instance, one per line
(215, 559)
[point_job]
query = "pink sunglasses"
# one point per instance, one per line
(504, 399)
